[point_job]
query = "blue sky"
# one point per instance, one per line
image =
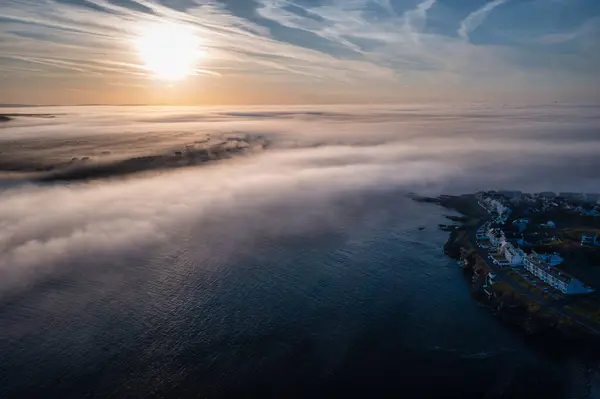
(304, 51)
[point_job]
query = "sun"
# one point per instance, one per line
(169, 51)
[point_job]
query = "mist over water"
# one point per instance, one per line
(149, 250)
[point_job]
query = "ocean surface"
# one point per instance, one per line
(297, 271)
(370, 306)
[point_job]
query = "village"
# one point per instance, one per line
(533, 258)
(521, 235)
(520, 225)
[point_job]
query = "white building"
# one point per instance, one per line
(555, 278)
(498, 207)
(496, 237)
(503, 217)
(494, 206)
(490, 279)
(515, 256)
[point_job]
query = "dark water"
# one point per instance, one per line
(369, 307)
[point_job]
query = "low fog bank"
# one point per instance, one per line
(288, 172)
(53, 157)
(80, 143)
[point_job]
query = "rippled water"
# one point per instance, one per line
(368, 306)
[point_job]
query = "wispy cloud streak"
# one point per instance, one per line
(334, 46)
(476, 18)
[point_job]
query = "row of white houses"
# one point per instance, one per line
(494, 206)
(540, 265)
(555, 278)
(514, 256)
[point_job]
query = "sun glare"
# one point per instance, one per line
(168, 51)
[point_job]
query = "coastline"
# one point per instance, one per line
(510, 306)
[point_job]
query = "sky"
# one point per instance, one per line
(301, 51)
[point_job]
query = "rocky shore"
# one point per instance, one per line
(508, 305)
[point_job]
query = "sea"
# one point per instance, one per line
(111, 294)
